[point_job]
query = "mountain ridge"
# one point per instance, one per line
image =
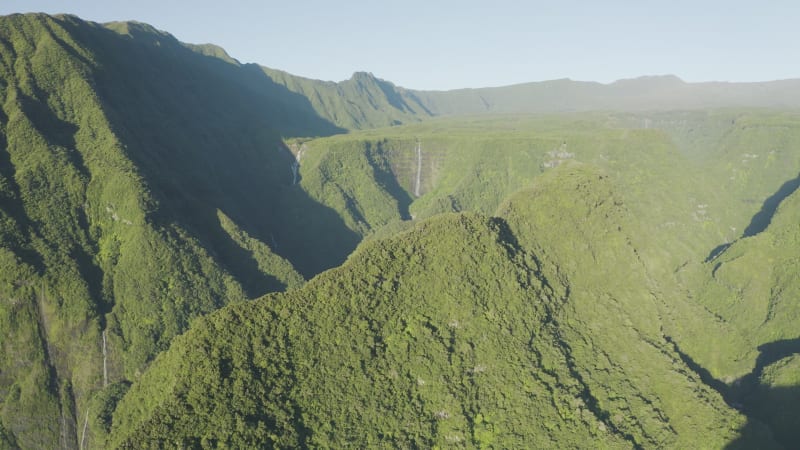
(367, 101)
(645, 93)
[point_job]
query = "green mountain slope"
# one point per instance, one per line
(681, 192)
(694, 179)
(115, 236)
(436, 337)
(363, 101)
(144, 183)
(753, 290)
(449, 334)
(611, 319)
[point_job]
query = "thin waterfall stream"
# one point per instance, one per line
(105, 360)
(85, 426)
(295, 166)
(419, 169)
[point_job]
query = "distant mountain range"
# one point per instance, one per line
(366, 101)
(651, 93)
(648, 93)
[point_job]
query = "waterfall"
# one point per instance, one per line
(419, 169)
(105, 360)
(295, 166)
(85, 425)
(274, 242)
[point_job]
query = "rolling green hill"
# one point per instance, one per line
(623, 275)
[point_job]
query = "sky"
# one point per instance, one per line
(437, 45)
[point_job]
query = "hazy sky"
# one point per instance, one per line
(438, 44)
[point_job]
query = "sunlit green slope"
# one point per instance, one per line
(434, 337)
(680, 188)
(463, 331)
(694, 180)
(753, 288)
(612, 317)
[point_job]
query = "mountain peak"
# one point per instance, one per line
(656, 80)
(363, 76)
(141, 31)
(215, 51)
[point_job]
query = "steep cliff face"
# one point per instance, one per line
(361, 102)
(113, 232)
(753, 289)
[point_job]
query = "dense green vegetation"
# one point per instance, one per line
(596, 279)
(452, 333)
(442, 336)
(114, 239)
(363, 101)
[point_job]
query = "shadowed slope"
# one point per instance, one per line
(120, 153)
